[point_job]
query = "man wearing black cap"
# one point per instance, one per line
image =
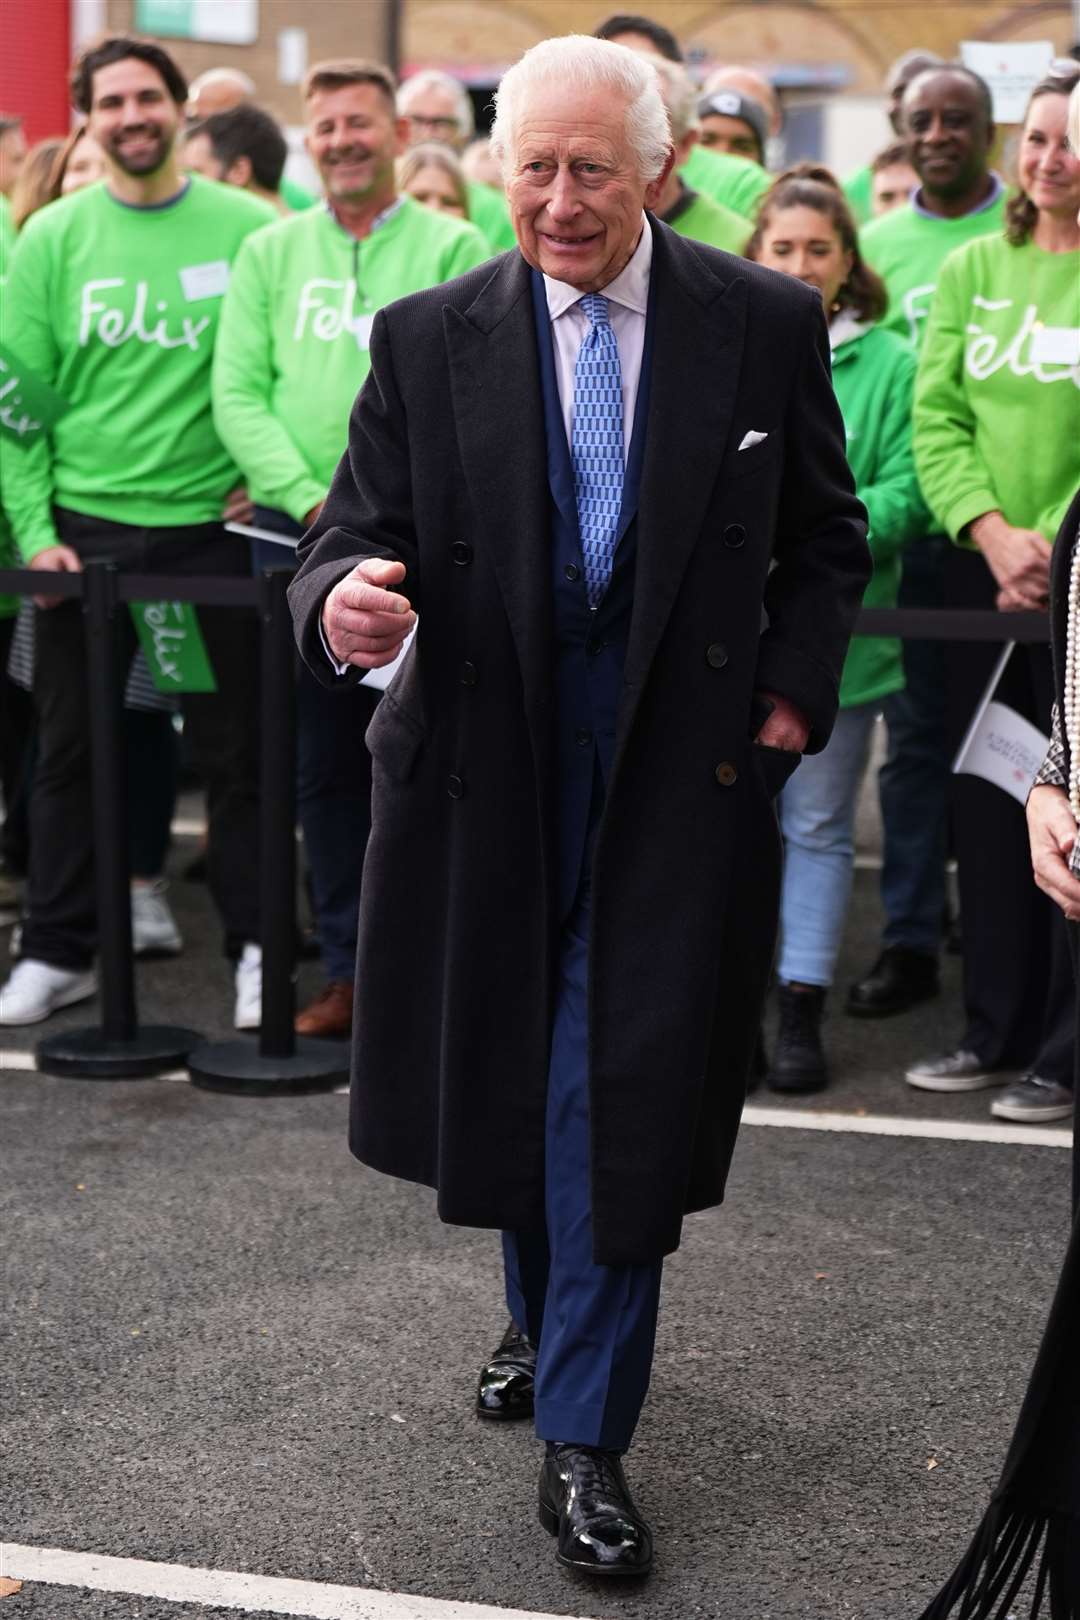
(733, 123)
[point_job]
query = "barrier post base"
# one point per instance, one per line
(239, 1068)
(91, 1054)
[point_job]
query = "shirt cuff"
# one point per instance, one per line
(339, 669)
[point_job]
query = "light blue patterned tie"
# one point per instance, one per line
(597, 448)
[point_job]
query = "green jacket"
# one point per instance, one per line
(858, 188)
(117, 309)
(907, 249)
(703, 220)
(489, 213)
(873, 376)
(292, 351)
(733, 181)
(997, 402)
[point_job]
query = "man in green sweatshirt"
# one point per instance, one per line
(690, 212)
(734, 182)
(291, 355)
(113, 300)
(859, 184)
(436, 107)
(946, 116)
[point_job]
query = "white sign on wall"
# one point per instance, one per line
(222, 22)
(1011, 70)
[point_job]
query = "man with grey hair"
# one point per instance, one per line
(690, 212)
(437, 108)
(221, 89)
(591, 468)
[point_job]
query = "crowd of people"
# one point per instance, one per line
(207, 321)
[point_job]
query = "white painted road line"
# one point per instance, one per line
(795, 1119)
(938, 1130)
(227, 1589)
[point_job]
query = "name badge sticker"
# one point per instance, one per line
(205, 280)
(1055, 346)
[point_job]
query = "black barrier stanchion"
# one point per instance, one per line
(118, 1049)
(282, 1064)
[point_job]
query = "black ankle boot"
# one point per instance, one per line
(798, 1062)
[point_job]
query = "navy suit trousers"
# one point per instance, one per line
(594, 1326)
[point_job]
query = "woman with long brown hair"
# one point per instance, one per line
(805, 229)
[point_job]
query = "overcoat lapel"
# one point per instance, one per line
(498, 415)
(697, 355)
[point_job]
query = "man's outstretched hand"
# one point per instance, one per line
(364, 622)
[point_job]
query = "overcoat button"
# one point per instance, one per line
(469, 676)
(455, 787)
(594, 647)
(583, 738)
(716, 655)
(726, 774)
(461, 552)
(572, 572)
(734, 535)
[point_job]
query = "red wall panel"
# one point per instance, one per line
(35, 53)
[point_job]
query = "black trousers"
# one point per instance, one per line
(16, 728)
(222, 727)
(1019, 990)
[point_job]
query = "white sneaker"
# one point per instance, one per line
(36, 989)
(153, 926)
(248, 1014)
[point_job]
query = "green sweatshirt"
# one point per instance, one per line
(873, 377)
(7, 231)
(733, 181)
(707, 221)
(997, 402)
(489, 213)
(117, 309)
(9, 557)
(858, 188)
(297, 196)
(292, 351)
(908, 248)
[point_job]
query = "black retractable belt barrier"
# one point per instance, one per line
(282, 1064)
(119, 1049)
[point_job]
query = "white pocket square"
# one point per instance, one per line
(752, 438)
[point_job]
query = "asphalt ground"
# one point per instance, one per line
(228, 1346)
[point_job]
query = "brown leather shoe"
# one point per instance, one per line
(330, 1014)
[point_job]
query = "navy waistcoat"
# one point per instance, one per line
(590, 645)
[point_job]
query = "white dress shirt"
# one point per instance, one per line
(628, 301)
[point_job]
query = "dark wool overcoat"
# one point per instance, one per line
(760, 552)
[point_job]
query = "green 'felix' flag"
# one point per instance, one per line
(175, 650)
(28, 406)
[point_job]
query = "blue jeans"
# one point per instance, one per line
(914, 780)
(817, 819)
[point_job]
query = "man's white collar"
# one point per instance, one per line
(629, 288)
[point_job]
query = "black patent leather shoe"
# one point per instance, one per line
(899, 979)
(586, 1502)
(505, 1390)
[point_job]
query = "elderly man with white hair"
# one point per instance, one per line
(437, 108)
(588, 467)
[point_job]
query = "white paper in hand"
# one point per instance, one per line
(381, 678)
(1005, 749)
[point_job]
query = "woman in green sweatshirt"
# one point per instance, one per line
(997, 446)
(805, 229)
